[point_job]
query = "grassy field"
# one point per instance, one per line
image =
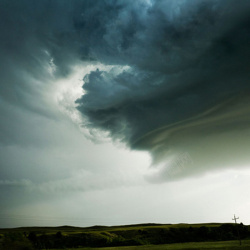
(129, 237)
(227, 245)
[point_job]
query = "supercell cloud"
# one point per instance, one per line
(176, 81)
(186, 85)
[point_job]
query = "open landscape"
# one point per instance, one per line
(129, 237)
(124, 124)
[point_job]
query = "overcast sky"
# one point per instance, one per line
(121, 112)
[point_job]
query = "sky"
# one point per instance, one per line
(119, 112)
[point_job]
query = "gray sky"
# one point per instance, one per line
(122, 112)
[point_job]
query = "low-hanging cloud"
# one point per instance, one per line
(187, 86)
(178, 77)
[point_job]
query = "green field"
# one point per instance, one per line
(129, 237)
(227, 245)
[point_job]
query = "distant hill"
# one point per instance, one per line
(124, 235)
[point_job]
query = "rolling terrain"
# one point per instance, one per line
(141, 236)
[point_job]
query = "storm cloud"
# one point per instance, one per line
(186, 85)
(176, 72)
(163, 84)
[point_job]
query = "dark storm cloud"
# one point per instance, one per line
(185, 57)
(186, 88)
(176, 64)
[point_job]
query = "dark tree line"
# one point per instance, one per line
(140, 237)
(145, 235)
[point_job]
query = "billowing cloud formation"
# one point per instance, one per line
(187, 87)
(179, 70)
(185, 57)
